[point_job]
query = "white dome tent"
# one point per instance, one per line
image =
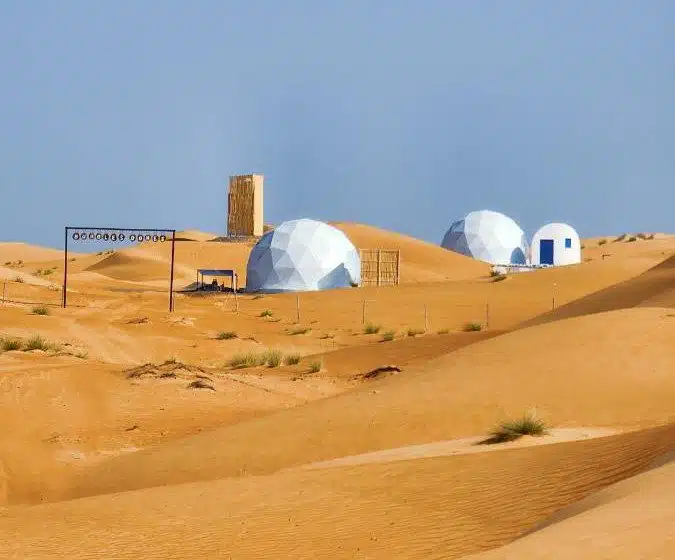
(556, 244)
(302, 255)
(488, 236)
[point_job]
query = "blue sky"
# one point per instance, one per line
(405, 115)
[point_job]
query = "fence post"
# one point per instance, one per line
(4, 287)
(297, 308)
(426, 319)
(487, 315)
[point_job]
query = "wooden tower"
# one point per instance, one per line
(245, 206)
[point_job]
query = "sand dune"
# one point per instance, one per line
(653, 288)
(582, 379)
(631, 519)
(443, 507)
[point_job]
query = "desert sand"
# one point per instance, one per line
(131, 431)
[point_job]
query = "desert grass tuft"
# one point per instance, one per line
(315, 367)
(9, 344)
(473, 327)
(226, 335)
(528, 425)
(415, 332)
(40, 310)
(36, 342)
(292, 359)
(371, 328)
(388, 336)
(266, 313)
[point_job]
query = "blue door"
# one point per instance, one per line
(546, 251)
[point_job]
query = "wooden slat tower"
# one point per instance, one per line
(245, 206)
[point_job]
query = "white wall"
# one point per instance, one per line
(558, 233)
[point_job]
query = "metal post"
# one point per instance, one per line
(426, 319)
(65, 267)
(487, 315)
(4, 287)
(173, 254)
(297, 308)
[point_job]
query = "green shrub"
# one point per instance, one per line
(226, 335)
(602, 242)
(266, 313)
(632, 238)
(388, 336)
(36, 342)
(40, 310)
(273, 358)
(315, 367)
(528, 425)
(473, 327)
(370, 328)
(415, 332)
(292, 359)
(9, 344)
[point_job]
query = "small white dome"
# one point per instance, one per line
(556, 244)
(302, 255)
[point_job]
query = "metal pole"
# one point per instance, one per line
(4, 287)
(297, 308)
(65, 267)
(426, 319)
(487, 315)
(173, 254)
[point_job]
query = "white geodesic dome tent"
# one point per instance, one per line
(556, 245)
(488, 236)
(302, 255)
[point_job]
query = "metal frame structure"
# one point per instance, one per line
(201, 272)
(117, 231)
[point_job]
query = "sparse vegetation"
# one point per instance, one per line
(371, 328)
(315, 367)
(602, 242)
(415, 332)
(327, 336)
(473, 327)
(621, 237)
(299, 330)
(19, 279)
(266, 313)
(388, 336)
(138, 321)
(226, 335)
(528, 425)
(273, 358)
(270, 358)
(40, 310)
(443, 331)
(292, 359)
(499, 278)
(36, 342)
(9, 344)
(632, 238)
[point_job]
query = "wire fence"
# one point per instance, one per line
(350, 309)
